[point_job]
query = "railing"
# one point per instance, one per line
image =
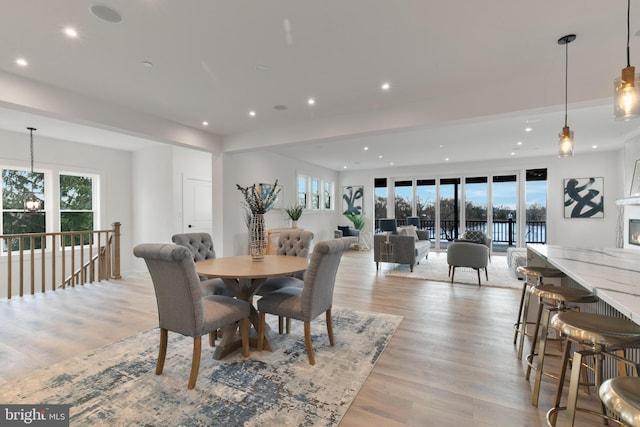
(502, 231)
(58, 260)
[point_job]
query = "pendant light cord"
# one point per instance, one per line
(628, 31)
(31, 147)
(566, 80)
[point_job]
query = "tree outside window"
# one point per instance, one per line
(15, 185)
(76, 207)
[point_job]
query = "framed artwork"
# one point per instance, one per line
(352, 199)
(584, 198)
(264, 189)
(635, 182)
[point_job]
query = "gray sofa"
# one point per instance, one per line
(406, 248)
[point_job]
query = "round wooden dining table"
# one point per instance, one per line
(244, 276)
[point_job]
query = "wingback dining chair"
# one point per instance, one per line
(315, 297)
(201, 247)
(181, 306)
(290, 243)
(467, 254)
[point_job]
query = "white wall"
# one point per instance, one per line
(561, 231)
(248, 168)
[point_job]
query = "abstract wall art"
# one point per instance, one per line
(584, 198)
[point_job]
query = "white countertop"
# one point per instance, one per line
(612, 274)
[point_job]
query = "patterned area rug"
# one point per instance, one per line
(116, 385)
(436, 268)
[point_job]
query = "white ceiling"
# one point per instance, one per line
(466, 77)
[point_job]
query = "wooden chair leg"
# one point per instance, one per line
(261, 321)
(195, 362)
(162, 353)
(288, 325)
(244, 333)
(280, 324)
(213, 336)
(330, 328)
(307, 342)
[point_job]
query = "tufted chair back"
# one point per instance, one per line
(294, 243)
(200, 244)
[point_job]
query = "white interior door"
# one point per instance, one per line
(196, 205)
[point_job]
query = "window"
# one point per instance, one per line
(475, 192)
(315, 193)
(505, 201)
(403, 199)
(380, 194)
(15, 185)
(536, 205)
(76, 206)
(302, 190)
(426, 203)
(328, 195)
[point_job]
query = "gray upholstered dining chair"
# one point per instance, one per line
(201, 247)
(181, 306)
(467, 254)
(315, 297)
(290, 243)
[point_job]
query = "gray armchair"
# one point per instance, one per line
(477, 236)
(315, 297)
(181, 306)
(467, 254)
(201, 247)
(348, 232)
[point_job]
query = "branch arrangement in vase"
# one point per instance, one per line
(256, 201)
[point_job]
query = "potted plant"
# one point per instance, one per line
(358, 223)
(294, 212)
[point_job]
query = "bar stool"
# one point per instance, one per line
(552, 299)
(603, 335)
(537, 275)
(622, 396)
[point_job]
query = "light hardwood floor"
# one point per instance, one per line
(450, 363)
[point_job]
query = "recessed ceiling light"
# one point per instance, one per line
(446, 159)
(311, 101)
(344, 167)
(519, 142)
(252, 113)
(385, 86)
(391, 164)
(379, 157)
(205, 123)
(366, 148)
(147, 64)
(513, 153)
(22, 62)
(594, 146)
(528, 129)
(71, 32)
(105, 13)
(441, 146)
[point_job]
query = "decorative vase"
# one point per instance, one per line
(294, 223)
(258, 238)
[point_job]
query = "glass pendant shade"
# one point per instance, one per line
(31, 203)
(626, 98)
(565, 144)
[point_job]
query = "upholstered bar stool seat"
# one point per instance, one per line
(622, 396)
(602, 335)
(552, 298)
(534, 276)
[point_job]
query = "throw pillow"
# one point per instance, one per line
(476, 236)
(345, 230)
(411, 231)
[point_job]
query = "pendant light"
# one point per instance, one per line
(626, 93)
(31, 202)
(565, 145)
